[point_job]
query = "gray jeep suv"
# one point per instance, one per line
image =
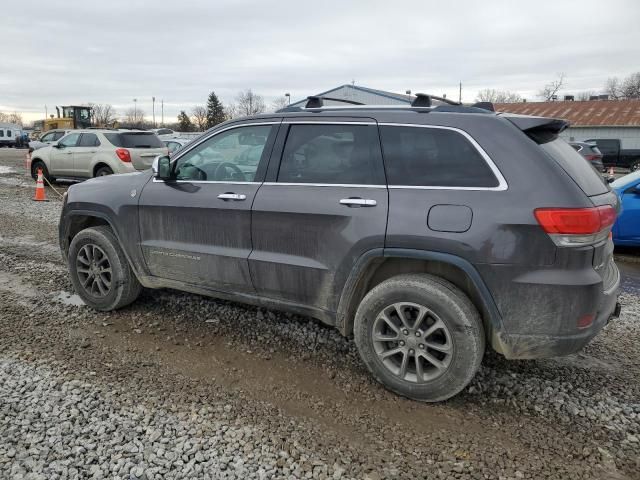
(426, 232)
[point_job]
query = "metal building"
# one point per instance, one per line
(592, 119)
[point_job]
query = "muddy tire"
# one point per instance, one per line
(99, 270)
(420, 336)
(45, 171)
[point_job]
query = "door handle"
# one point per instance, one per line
(358, 202)
(232, 196)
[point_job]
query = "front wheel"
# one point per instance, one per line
(420, 336)
(39, 164)
(99, 270)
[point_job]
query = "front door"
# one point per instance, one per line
(197, 228)
(62, 156)
(325, 206)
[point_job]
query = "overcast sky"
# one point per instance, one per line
(71, 52)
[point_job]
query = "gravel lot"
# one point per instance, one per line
(182, 386)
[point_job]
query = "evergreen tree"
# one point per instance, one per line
(184, 122)
(215, 111)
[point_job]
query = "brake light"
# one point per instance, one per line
(123, 154)
(592, 158)
(576, 226)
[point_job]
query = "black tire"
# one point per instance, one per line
(35, 164)
(104, 170)
(123, 288)
(462, 334)
(634, 166)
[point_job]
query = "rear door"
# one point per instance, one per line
(142, 146)
(87, 147)
(325, 205)
(197, 229)
(62, 157)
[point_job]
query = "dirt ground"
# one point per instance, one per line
(271, 395)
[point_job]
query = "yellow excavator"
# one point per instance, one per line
(73, 116)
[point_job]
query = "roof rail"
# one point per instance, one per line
(317, 101)
(424, 100)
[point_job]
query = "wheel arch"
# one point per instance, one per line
(99, 164)
(379, 265)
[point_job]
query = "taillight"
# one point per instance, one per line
(570, 227)
(123, 154)
(592, 158)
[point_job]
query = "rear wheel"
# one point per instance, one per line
(420, 336)
(35, 165)
(99, 270)
(102, 171)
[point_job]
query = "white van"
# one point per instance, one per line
(8, 134)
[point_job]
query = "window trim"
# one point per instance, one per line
(502, 183)
(191, 145)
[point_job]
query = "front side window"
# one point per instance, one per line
(233, 156)
(433, 157)
(332, 154)
(58, 135)
(8, 133)
(48, 137)
(1, 133)
(70, 140)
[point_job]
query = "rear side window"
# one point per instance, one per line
(332, 154)
(89, 140)
(574, 164)
(1, 133)
(8, 133)
(433, 157)
(134, 140)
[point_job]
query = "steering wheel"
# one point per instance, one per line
(220, 171)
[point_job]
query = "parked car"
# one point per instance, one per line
(83, 154)
(422, 235)
(175, 144)
(48, 138)
(626, 231)
(591, 153)
(614, 155)
(162, 131)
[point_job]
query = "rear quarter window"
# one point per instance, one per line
(134, 140)
(576, 166)
(433, 157)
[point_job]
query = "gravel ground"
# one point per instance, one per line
(182, 386)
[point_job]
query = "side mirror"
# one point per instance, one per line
(611, 179)
(57, 145)
(161, 167)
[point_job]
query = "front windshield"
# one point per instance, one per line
(626, 180)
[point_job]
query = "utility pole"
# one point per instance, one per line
(162, 108)
(460, 93)
(135, 111)
(153, 102)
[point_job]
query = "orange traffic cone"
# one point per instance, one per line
(40, 197)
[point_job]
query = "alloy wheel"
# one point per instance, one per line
(94, 270)
(412, 342)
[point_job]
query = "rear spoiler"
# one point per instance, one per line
(539, 129)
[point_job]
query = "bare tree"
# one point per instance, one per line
(279, 103)
(13, 117)
(249, 103)
(552, 89)
(498, 96)
(104, 115)
(200, 117)
(627, 88)
(134, 117)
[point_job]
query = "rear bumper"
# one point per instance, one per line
(565, 340)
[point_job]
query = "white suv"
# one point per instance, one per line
(83, 154)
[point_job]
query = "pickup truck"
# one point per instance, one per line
(614, 155)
